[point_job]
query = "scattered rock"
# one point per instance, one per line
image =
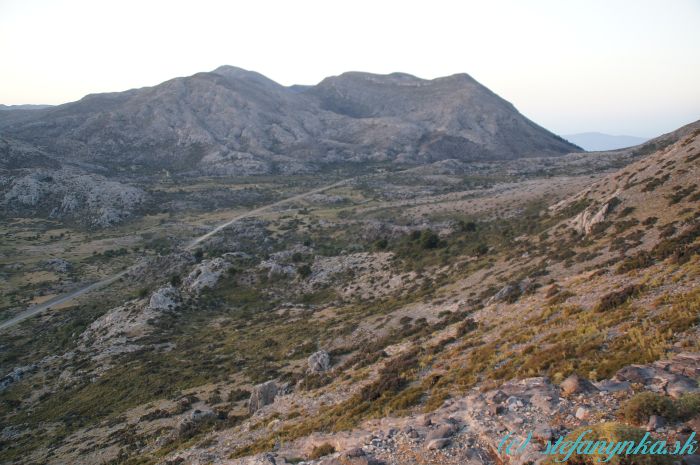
(436, 444)
(354, 452)
(582, 413)
(495, 397)
(655, 422)
(58, 265)
(319, 362)
(441, 432)
(205, 274)
(575, 384)
(262, 395)
(15, 375)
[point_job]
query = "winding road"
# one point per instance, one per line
(39, 308)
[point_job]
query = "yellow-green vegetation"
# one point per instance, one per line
(641, 406)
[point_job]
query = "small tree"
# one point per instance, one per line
(429, 240)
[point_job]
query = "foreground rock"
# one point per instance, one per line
(574, 384)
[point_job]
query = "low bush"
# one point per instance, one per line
(640, 407)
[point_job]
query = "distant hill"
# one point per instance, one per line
(597, 141)
(23, 107)
(236, 122)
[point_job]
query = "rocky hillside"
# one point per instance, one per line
(413, 317)
(235, 122)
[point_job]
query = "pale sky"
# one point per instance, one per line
(615, 66)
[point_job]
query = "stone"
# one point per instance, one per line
(636, 374)
(354, 452)
(543, 432)
(496, 409)
(441, 432)
(436, 444)
(319, 362)
(262, 395)
(681, 385)
(58, 265)
(496, 397)
(200, 415)
(508, 293)
(610, 385)
(582, 413)
(575, 384)
(655, 422)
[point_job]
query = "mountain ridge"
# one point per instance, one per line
(598, 141)
(234, 121)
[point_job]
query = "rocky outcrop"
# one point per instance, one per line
(165, 298)
(58, 265)
(583, 222)
(15, 375)
(511, 292)
(262, 395)
(658, 380)
(205, 275)
(319, 362)
(68, 194)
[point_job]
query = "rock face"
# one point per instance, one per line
(262, 395)
(235, 122)
(511, 292)
(658, 377)
(319, 362)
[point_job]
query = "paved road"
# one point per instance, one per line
(36, 309)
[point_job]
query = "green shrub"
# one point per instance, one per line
(640, 407)
(688, 406)
(429, 240)
(304, 271)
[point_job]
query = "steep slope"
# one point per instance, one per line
(232, 121)
(449, 117)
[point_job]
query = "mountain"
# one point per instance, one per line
(597, 141)
(236, 122)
